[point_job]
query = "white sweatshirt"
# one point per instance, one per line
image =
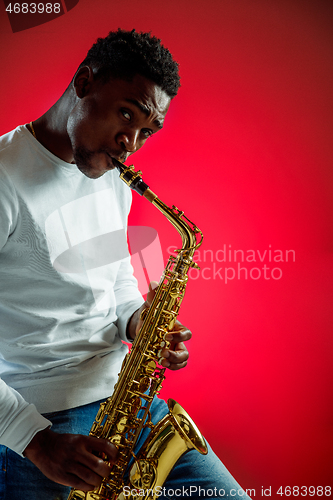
(66, 286)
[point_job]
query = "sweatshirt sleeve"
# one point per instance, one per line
(19, 420)
(128, 297)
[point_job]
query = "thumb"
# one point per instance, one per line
(151, 293)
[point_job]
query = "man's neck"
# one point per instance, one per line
(51, 129)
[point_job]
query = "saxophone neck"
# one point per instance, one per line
(191, 235)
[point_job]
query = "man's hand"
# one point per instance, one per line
(177, 355)
(70, 459)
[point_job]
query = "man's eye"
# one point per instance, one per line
(146, 132)
(126, 114)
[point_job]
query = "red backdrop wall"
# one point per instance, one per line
(246, 152)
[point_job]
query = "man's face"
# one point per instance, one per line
(114, 120)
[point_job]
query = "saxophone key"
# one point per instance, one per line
(143, 384)
(117, 439)
(133, 405)
(122, 424)
(142, 475)
(150, 367)
(143, 314)
(100, 413)
(165, 345)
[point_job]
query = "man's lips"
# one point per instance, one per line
(117, 163)
(117, 159)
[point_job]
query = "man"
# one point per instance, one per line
(68, 297)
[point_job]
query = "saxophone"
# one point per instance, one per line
(123, 416)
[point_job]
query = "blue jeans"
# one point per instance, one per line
(194, 476)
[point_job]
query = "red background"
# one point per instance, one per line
(247, 154)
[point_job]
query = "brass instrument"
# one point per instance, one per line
(123, 416)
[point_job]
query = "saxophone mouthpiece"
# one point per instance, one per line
(120, 166)
(134, 180)
(130, 177)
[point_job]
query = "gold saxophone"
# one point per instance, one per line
(123, 416)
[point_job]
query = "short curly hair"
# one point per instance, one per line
(123, 54)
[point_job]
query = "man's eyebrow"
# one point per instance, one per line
(144, 110)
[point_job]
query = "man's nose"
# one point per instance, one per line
(128, 141)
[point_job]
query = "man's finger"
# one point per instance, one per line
(102, 446)
(75, 481)
(86, 476)
(176, 359)
(175, 337)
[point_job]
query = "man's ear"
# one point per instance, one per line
(82, 81)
